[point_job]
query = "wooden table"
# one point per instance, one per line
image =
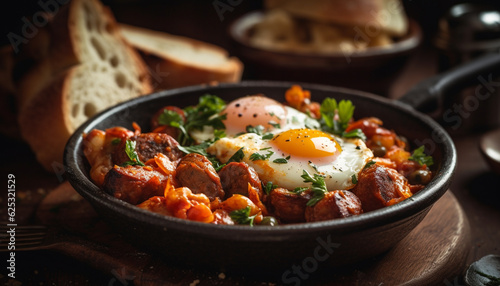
(474, 186)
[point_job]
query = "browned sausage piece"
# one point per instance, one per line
(134, 184)
(147, 146)
(197, 173)
(235, 177)
(335, 204)
(379, 186)
(287, 206)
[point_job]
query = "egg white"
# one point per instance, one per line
(338, 173)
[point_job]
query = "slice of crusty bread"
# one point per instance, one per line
(87, 68)
(367, 15)
(177, 61)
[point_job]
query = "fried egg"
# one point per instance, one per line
(283, 158)
(295, 145)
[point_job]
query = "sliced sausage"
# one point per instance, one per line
(134, 184)
(196, 172)
(287, 206)
(379, 186)
(147, 146)
(235, 178)
(335, 204)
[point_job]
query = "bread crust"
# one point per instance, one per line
(45, 91)
(387, 15)
(170, 71)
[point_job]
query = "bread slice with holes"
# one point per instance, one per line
(177, 61)
(86, 68)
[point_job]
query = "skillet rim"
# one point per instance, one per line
(385, 216)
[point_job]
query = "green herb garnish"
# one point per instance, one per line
(206, 113)
(242, 216)
(267, 136)
(420, 157)
(369, 164)
(355, 133)
(354, 179)
(268, 187)
(318, 187)
(281, 160)
(257, 156)
(132, 154)
(237, 157)
(255, 129)
(336, 117)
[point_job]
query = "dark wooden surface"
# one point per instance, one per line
(476, 189)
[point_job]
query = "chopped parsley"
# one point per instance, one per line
(116, 141)
(199, 149)
(255, 129)
(369, 164)
(257, 156)
(354, 179)
(281, 160)
(237, 156)
(274, 124)
(268, 187)
(335, 118)
(206, 113)
(132, 154)
(267, 136)
(420, 157)
(318, 189)
(242, 216)
(355, 133)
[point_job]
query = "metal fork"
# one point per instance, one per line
(24, 237)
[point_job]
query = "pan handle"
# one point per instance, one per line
(428, 94)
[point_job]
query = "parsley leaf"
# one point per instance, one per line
(420, 157)
(355, 133)
(132, 154)
(199, 149)
(267, 136)
(328, 109)
(255, 129)
(354, 179)
(318, 187)
(281, 160)
(257, 156)
(299, 190)
(335, 118)
(242, 216)
(268, 187)
(237, 157)
(369, 164)
(206, 113)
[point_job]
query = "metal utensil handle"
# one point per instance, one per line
(427, 95)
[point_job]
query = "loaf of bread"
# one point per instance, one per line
(176, 61)
(84, 66)
(386, 15)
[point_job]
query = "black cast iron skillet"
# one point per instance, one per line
(334, 242)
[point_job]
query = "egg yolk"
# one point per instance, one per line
(253, 110)
(307, 143)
